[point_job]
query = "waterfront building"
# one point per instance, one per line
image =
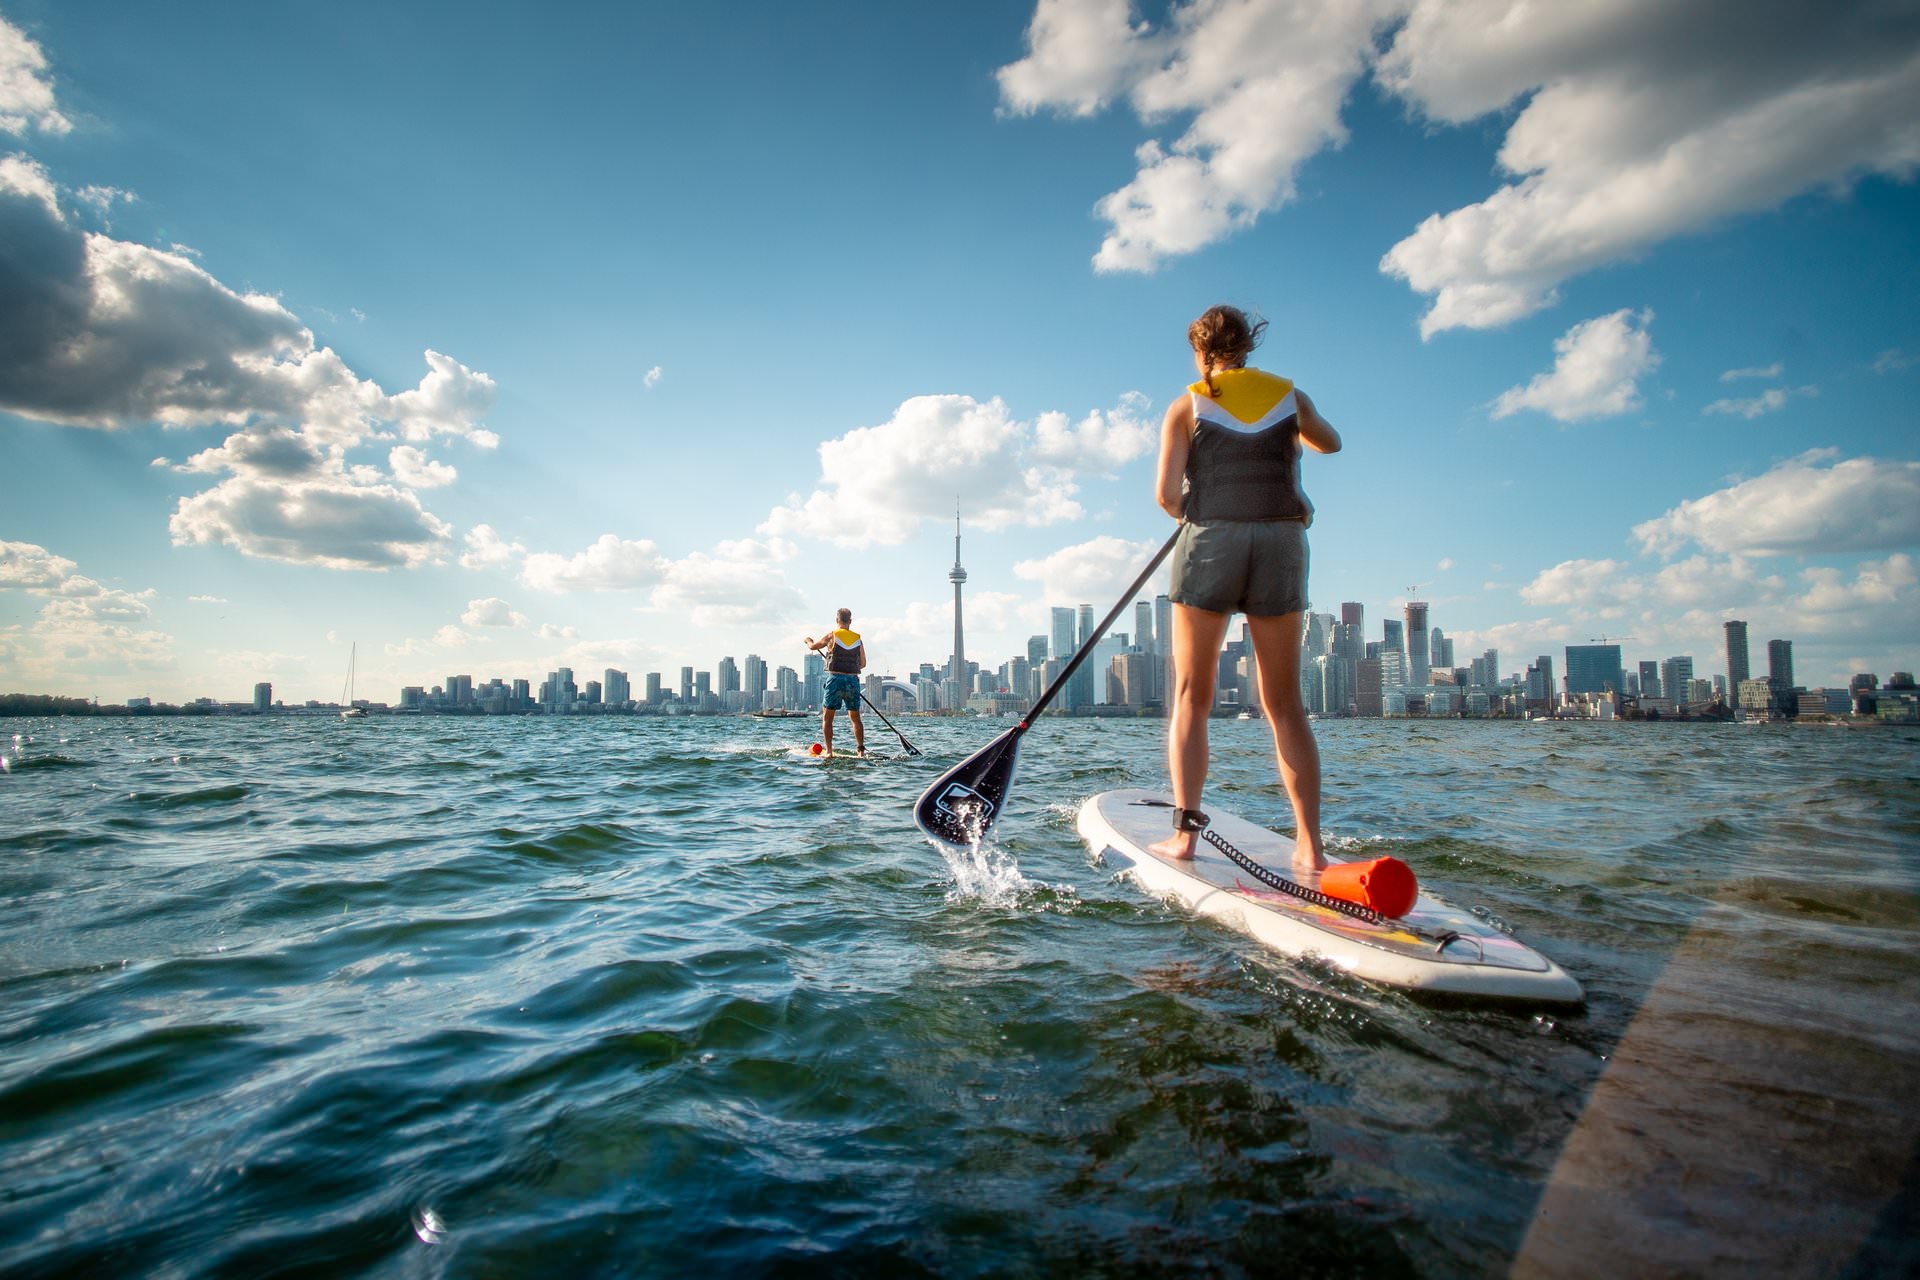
(1675, 672)
(926, 693)
(1736, 653)
(1649, 679)
(1111, 646)
(522, 693)
(1594, 668)
(1336, 685)
(617, 689)
(1756, 699)
(1366, 688)
(729, 676)
(1543, 667)
(703, 688)
(686, 684)
(1780, 672)
(1036, 651)
(1393, 669)
(591, 695)
(1418, 648)
(753, 676)
(1083, 682)
(813, 681)
(413, 697)
(1135, 669)
(654, 693)
(787, 681)
(1062, 632)
(1163, 650)
(1394, 640)
(263, 696)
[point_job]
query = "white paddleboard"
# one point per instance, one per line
(1477, 959)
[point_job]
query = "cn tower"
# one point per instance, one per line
(958, 577)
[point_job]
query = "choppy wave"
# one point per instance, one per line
(649, 997)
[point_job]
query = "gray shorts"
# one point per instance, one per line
(1255, 567)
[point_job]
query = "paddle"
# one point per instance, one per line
(962, 804)
(908, 746)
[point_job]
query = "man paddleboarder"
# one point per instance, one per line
(846, 658)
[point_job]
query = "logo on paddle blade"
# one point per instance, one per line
(964, 805)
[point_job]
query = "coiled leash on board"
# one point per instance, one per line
(1274, 880)
(1189, 820)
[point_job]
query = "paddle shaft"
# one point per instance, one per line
(875, 707)
(1086, 646)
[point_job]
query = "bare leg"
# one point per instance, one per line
(826, 728)
(859, 730)
(1197, 636)
(1276, 654)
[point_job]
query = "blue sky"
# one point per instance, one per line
(621, 336)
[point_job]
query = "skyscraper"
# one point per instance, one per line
(958, 577)
(1649, 679)
(1675, 674)
(1737, 669)
(1780, 664)
(1062, 633)
(1780, 675)
(1081, 687)
(1163, 650)
(1394, 642)
(1594, 668)
(1418, 651)
(753, 678)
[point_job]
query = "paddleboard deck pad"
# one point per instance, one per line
(1433, 947)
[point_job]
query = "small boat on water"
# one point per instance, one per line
(780, 713)
(347, 710)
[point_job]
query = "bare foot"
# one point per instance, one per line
(1178, 845)
(1308, 861)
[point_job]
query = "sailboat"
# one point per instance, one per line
(347, 710)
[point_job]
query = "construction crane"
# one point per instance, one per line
(1606, 639)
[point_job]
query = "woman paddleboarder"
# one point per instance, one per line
(1230, 472)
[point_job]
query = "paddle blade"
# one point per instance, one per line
(961, 806)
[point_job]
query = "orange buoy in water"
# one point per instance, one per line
(817, 749)
(1384, 884)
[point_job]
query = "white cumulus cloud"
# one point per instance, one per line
(1757, 371)
(611, 563)
(492, 611)
(26, 94)
(1807, 505)
(1091, 572)
(878, 483)
(415, 470)
(1772, 400)
(1260, 83)
(1579, 582)
(1641, 120)
(1596, 371)
(106, 334)
(485, 548)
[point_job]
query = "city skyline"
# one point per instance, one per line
(510, 400)
(1399, 667)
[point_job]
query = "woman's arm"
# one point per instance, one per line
(1314, 429)
(1176, 437)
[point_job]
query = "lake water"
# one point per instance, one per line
(627, 996)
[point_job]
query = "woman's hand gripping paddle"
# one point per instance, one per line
(961, 806)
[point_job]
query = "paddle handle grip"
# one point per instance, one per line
(1086, 647)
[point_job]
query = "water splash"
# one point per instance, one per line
(984, 873)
